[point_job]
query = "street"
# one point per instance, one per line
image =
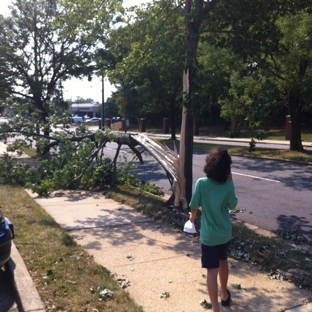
(274, 195)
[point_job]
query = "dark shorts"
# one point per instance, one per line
(212, 254)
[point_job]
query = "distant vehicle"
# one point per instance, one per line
(6, 236)
(76, 119)
(114, 119)
(93, 119)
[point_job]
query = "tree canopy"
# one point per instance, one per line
(46, 42)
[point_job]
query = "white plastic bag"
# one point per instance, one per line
(189, 227)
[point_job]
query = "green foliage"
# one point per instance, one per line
(111, 108)
(73, 165)
(44, 188)
(73, 168)
(215, 67)
(12, 171)
(153, 50)
(124, 174)
(151, 188)
(98, 176)
(235, 133)
(46, 42)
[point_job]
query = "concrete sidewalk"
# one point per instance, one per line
(157, 259)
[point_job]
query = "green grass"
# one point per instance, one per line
(270, 153)
(277, 134)
(66, 277)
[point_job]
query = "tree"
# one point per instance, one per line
(146, 53)
(194, 13)
(79, 99)
(215, 66)
(5, 82)
(111, 109)
(44, 42)
(290, 68)
(153, 60)
(273, 41)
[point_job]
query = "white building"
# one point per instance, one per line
(85, 109)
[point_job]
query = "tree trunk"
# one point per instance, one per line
(193, 18)
(188, 169)
(295, 117)
(295, 107)
(173, 122)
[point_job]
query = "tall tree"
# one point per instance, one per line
(44, 42)
(154, 58)
(291, 68)
(194, 12)
(273, 41)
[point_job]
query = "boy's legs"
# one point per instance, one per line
(212, 285)
(214, 259)
(223, 277)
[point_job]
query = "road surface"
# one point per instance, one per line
(274, 195)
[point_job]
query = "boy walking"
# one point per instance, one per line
(215, 194)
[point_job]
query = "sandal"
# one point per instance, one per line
(226, 302)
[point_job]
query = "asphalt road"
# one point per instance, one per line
(274, 195)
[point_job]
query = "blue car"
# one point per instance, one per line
(6, 236)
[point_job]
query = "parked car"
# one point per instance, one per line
(6, 236)
(76, 119)
(93, 119)
(115, 119)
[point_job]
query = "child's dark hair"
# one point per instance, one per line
(218, 165)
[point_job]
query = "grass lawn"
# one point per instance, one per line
(217, 131)
(270, 153)
(66, 277)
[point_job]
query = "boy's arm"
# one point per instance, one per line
(193, 215)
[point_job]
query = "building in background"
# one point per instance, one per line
(86, 110)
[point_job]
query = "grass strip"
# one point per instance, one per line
(66, 277)
(268, 153)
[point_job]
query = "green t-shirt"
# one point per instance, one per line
(215, 199)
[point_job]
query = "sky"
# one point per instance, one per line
(82, 88)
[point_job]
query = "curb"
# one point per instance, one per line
(27, 296)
